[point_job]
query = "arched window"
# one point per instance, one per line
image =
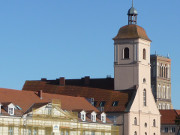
(135, 121)
(126, 53)
(154, 123)
(145, 124)
(145, 133)
(144, 80)
(135, 133)
(162, 70)
(144, 54)
(166, 72)
(144, 97)
(154, 134)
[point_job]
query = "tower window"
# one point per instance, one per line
(144, 97)
(144, 54)
(144, 80)
(145, 124)
(154, 123)
(135, 121)
(126, 53)
(135, 133)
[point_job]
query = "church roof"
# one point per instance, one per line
(131, 32)
(123, 99)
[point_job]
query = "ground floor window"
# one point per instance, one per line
(10, 130)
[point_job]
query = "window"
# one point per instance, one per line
(144, 80)
(135, 121)
(11, 111)
(10, 130)
(154, 123)
(144, 97)
(102, 133)
(92, 133)
(18, 107)
(144, 54)
(102, 104)
(93, 116)
(35, 131)
(145, 124)
(135, 133)
(103, 117)
(145, 133)
(115, 103)
(173, 130)
(166, 129)
(83, 117)
(29, 131)
(95, 103)
(49, 111)
(48, 131)
(126, 53)
(154, 134)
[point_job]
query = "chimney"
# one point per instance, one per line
(86, 80)
(62, 81)
(43, 79)
(40, 94)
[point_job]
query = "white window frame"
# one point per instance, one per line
(11, 110)
(103, 117)
(93, 116)
(83, 115)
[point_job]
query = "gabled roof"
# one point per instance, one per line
(108, 96)
(25, 99)
(168, 117)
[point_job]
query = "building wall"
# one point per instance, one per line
(161, 81)
(169, 130)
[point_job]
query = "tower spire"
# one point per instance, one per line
(132, 15)
(132, 3)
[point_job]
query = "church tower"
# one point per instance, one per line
(132, 72)
(132, 55)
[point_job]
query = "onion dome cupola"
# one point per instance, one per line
(132, 15)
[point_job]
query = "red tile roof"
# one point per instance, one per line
(169, 116)
(25, 99)
(109, 96)
(131, 32)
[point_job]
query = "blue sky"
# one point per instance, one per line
(73, 38)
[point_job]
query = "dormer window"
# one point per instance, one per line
(115, 103)
(11, 108)
(103, 117)
(11, 111)
(102, 104)
(83, 115)
(93, 117)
